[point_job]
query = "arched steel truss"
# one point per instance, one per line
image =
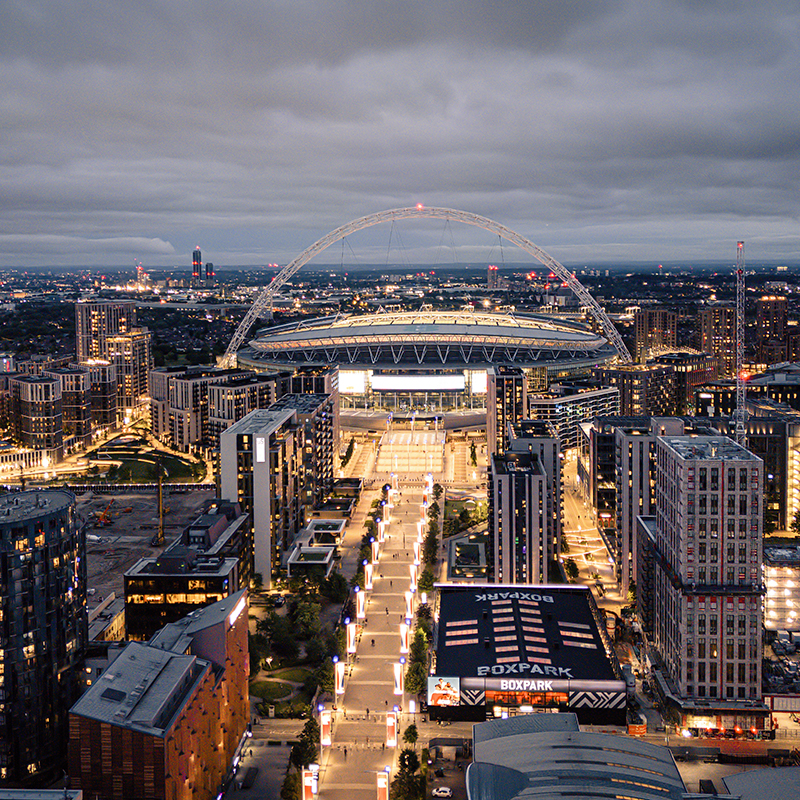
(420, 212)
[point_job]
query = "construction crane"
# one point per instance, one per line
(740, 415)
(104, 519)
(158, 539)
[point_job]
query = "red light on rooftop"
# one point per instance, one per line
(420, 206)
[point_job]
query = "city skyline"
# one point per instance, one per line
(603, 134)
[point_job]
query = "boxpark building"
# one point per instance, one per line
(428, 359)
(503, 650)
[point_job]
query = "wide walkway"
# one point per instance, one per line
(358, 751)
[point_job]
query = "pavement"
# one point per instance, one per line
(358, 750)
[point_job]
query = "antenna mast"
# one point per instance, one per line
(740, 416)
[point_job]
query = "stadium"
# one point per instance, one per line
(428, 360)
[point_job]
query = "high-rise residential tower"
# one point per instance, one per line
(716, 331)
(44, 631)
(95, 321)
(506, 402)
(706, 550)
(655, 329)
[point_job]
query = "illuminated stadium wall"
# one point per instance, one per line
(437, 392)
(428, 360)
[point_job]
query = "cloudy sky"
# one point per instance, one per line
(602, 130)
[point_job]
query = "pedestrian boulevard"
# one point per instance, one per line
(358, 750)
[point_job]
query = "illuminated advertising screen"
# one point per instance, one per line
(478, 382)
(352, 381)
(416, 383)
(444, 691)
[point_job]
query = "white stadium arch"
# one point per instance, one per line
(421, 212)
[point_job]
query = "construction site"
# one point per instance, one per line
(121, 528)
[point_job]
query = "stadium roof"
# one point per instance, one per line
(430, 338)
(545, 756)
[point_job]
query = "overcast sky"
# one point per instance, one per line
(649, 130)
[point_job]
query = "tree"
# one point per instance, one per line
(795, 526)
(430, 548)
(304, 752)
(433, 510)
(425, 582)
(564, 545)
(258, 581)
(571, 568)
(335, 588)
(409, 760)
(349, 452)
(411, 735)
(416, 677)
(306, 618)
(406, 784)
(437, 491)
(418, 649)
(291, 786)
(473, 454)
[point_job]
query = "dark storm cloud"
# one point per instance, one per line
(602, 130)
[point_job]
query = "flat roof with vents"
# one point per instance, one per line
(523, 647)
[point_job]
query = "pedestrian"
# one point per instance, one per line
(367, 713)
(345, 752)
(390, 584)
(387, 611)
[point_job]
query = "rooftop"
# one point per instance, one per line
(262, 421)
(485, 628)
(302, 403)
(707, 448)
(176, 635)
(18, 506)
(143, 689)
(546, 756)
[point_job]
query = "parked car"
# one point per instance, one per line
(442, 791)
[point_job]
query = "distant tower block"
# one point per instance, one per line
(491, 277)
(197, 264)
(209, 271)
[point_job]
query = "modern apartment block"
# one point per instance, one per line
(771, 326)
(76, 404)
(541, 438)
(95, 321)
(644, 389)
(44, 632)
(36, 415)
(654, 329)
(315, 415)
(107, 331)
(522, 538)
(105, 393)
(716, 333)
(234, 398)
(260, 464)
(705, 561)
(506, 402)
(690, 371)
(131, 353)
(634, 464)
(167, 718)
(566, 406)
(188, 405)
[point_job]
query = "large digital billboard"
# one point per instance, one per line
(352, 381)
(417, 383)
(444, 691)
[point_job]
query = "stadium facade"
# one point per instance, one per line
(429, 360)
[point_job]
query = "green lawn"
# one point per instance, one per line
(296, 674)
(270, 691)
